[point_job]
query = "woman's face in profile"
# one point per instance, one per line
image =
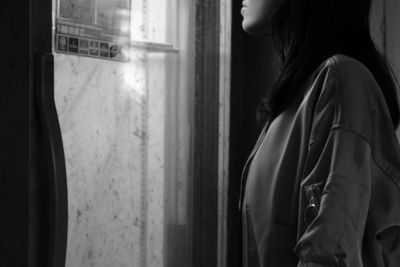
(256, 15)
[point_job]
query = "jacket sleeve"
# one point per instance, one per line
(340, 156)
(353, 150)
(334, 237)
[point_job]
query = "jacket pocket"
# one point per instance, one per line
(313, 195)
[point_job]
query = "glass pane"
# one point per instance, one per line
(125, 128)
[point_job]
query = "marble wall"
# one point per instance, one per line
(112, 117)
(100, 106)
(393, 38)
(385, 24)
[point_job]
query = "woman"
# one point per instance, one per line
(322, 185)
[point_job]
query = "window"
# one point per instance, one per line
(132, 138)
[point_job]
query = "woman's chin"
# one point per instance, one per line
(248, 27)
(254, 29)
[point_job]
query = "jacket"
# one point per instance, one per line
(322, 185)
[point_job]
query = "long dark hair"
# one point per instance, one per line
(306, 32)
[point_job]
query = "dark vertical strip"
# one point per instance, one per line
(384, 28)
(253, 70)
(39, 178)
(39, 184)
(55, 162)
(236, 141)
(14, 132)
(38, 195)
(47, 180)
(205, 143)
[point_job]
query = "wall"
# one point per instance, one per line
(393, 34)
(393, 38)
(15, 142)
(100, 115)
(112, 123)
(385, 28)
(125, 188)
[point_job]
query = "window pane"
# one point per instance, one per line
(125, 128)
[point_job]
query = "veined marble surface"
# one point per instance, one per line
(113, 123)
(100, 106)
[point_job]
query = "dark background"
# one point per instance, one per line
(254, 68)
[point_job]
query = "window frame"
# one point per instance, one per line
(211, 132)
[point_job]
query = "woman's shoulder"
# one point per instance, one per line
(350, 89)
(343, 79)
(343, 69)
(347, 97)
(345, 63)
